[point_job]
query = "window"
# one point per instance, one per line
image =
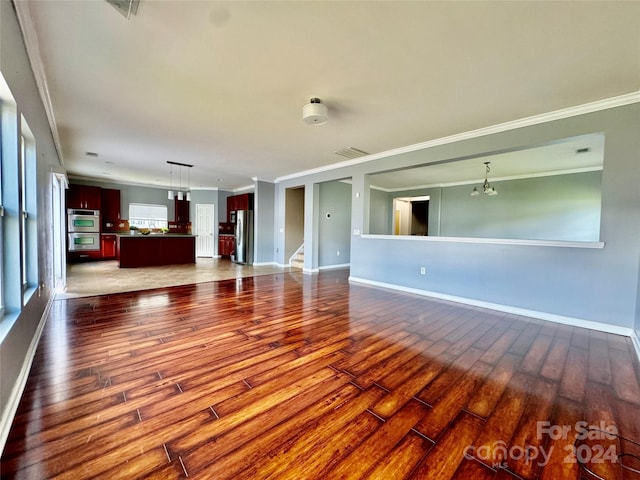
(23, 212)
(18, 210)
(28, 212)
(1, 240)
(10, 259)
(148, 216)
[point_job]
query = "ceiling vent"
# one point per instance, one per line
(583, 150)
(125, 7)
(351, 152)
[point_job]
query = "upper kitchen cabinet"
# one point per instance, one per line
(238, 202)
(244, 201)
(84, 196)
(110, 208)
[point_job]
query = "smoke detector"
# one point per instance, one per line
(314, 112)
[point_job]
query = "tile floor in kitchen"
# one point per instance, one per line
(105, 277)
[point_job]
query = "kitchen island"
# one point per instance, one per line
(153, 250)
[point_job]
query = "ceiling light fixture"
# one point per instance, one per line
(315, 113)
(181, 195)
(487, 189)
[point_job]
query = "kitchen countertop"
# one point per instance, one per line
(151, 235)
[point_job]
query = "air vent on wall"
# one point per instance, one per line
(125, 7)
(351, 152)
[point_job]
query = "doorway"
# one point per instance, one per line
(294, 222)
(58, 186)
(411, 215)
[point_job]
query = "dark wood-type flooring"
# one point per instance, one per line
(292, 376)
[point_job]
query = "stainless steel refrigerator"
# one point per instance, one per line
(244, 238)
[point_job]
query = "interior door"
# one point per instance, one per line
(204, 230)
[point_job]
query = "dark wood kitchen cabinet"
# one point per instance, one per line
(239, 202)
(226, 245)
(181, 211)
(108, 245)
(110, 208)
(84, 196)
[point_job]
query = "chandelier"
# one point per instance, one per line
(487, 189)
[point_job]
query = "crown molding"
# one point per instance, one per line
(32, 45)
(599, 105)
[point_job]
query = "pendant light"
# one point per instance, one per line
(188, 186)
(487, 189)
(170, 192)
(181, 195)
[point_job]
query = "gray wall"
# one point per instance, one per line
(19, 328)
(381, 212)
(560, 207)
(135, 194)
(599, 285)
(264, 220)
(334, 224)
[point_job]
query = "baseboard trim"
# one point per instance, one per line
(18, 388)
(265, 264)
(339, 266)
(574, 322)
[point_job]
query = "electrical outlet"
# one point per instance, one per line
(338, 253)
(423, 270)
(356, 231)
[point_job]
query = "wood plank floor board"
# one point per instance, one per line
(393, 379)
(230, 462)
(573, 383)
(445, 457)
(451, 401)
(501, 346)
(554, 362)
(493, 334)
(239, 444)
(379, 444)
(539, 404)
(470, 336)
(404, 356)
(448, 376)
(599, 364)
(503, 421)
(291, 376)
(406, 455)
(623, 376)
(472, 469)
(525, 339)
(487, 395)
(320, 446)
(395, 399)
(358, 364)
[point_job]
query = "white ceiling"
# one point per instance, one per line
(221, 85)
(555, 158)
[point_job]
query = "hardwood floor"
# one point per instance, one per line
(292, 376)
